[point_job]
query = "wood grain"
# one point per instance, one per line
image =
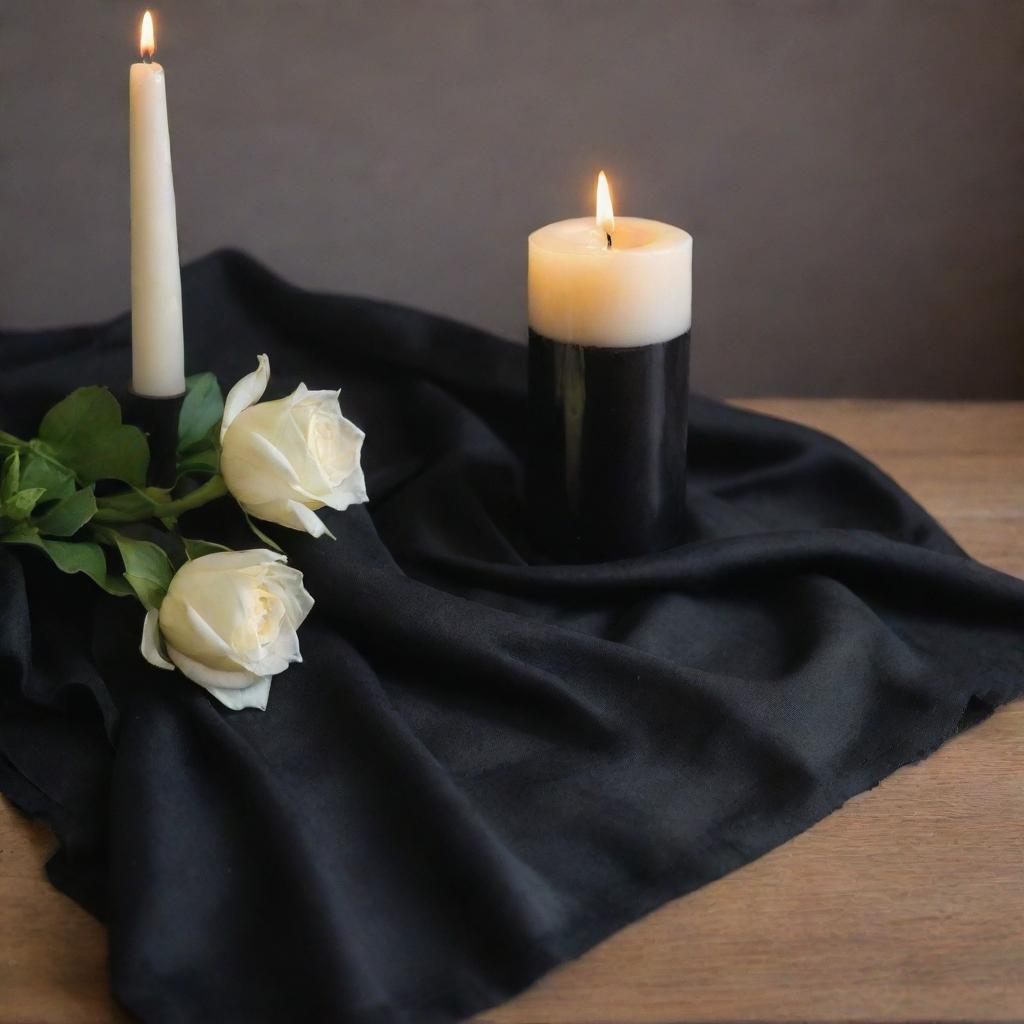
(906, 905)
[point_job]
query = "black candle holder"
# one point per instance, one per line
(606, 468)
(157, 417)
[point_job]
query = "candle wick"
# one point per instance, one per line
(147, 58)
(607, 235)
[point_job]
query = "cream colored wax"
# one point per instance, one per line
(158, 351)
(635, 292)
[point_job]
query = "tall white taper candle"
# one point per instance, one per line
(158, 350)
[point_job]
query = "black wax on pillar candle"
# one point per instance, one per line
(609, 317)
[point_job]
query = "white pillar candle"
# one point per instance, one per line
(635, 291)
(158, 350)
(609, 315)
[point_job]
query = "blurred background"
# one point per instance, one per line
(852, 170)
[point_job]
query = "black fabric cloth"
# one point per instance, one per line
(486, 762)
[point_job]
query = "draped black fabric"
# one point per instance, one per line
(486, 762)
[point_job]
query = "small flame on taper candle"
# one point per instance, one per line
(147, 41)
(605, 214)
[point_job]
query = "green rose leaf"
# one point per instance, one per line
(147, 569)
(10, 476)
(132, 506)
(93, 407)
(19, 506)
(156, 503)
(198, 548)
(41, 470)
(85, 432)
(69, 515)
(201, 410)
(9, 444)
(71, 556)
(205, 461)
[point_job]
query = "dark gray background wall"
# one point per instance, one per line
(852, 172)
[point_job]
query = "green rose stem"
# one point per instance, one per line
(153, 503)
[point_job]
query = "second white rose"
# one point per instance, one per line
(283, 460)
(229, 622)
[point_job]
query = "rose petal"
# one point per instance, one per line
(254, 468)
(246, 392)
(152, 642)
(352, 491)
(255, 696)
(321, 396)
(274, 663)
(224, 561)
(287, 584)
(284, 651)
(212, 677)
(292, 514)
(187, 626)
(308, 519)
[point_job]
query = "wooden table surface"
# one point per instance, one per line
(906, 905)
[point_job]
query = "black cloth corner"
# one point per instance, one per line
(486, 762)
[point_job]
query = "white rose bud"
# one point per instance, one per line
(229, 623)
(282, 460)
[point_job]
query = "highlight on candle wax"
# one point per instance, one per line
(147, 40)
(605, 214)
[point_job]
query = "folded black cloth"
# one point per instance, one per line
(486, 762)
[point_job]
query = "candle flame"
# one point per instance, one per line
(147, 41)
(605, 214)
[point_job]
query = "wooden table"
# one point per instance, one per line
(906, 905)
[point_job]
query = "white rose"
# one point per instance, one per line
(229, 623)
(282, 460)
